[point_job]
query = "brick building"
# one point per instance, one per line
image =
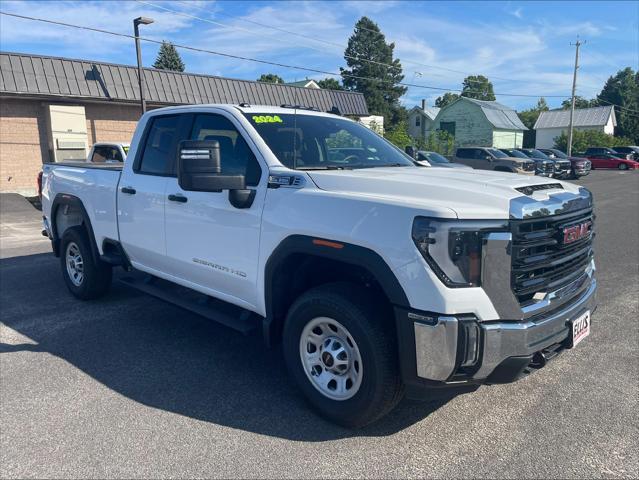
(54, 109)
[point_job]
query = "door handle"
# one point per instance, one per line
(129, 190)
(178, 198)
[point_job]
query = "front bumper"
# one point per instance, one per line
(453, 350)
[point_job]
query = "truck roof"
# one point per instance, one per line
(245, 108)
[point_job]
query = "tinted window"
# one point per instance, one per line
(235, 155)
(496, 153)
(323, 142)
(103, 154)
(465, 153)
(434, 157)
(160, 146)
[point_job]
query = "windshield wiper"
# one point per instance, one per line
(385, 165)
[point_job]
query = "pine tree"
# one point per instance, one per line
(168, 58)
(378, 83)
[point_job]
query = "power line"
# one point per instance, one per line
(255, 60)
(327, 42)
(388, 65)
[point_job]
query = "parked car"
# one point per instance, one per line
(630, 150)
(605, 159)
(377, 276)
(604, 152)
(435, 159)
(543, 167)
(488, 158)
(579, 166)
(108, 152)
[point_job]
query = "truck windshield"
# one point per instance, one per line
(496, 153)
(312, 142)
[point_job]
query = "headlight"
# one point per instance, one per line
(452, 248)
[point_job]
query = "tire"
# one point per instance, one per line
(344, 311)
(84, 278)
(622, 166)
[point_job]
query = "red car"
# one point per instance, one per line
(608, 158)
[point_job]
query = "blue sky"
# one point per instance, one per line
(523, 47)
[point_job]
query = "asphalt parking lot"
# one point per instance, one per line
(129, 386)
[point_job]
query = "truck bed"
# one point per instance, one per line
(95, 185)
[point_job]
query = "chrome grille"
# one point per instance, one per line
(541, 262)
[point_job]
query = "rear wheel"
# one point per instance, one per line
(341, 349)
(85, 278)
(622, 166)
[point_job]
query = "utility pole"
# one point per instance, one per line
(572, 103)
(136, 30)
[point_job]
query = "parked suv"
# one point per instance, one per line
(487, 158)
(579, 166)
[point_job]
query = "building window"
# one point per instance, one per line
(448, 127)
(418, 121)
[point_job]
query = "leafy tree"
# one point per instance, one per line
(478, 87)
(623, 89)
(528, 118)
(398, 135)
(582, 139)
(168, 58)
(580, 102)
(365, 55)
(446, 99)
(329, 84)
(441, 142)
(270, 78)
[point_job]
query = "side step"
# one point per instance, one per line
(208, 307)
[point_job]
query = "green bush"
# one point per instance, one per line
(582, 139)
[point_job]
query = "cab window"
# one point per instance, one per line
(235, 155)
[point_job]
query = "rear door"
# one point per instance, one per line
(141, 193)
(210, 244)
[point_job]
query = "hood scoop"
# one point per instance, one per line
(530, 189)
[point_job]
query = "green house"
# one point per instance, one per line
(481, 123)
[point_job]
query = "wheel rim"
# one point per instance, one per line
(75, 264)
(622, 166)
(331, 358)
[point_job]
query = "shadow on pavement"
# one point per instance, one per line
(167, 358)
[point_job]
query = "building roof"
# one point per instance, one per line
(304, 83)
(37, 75)
(430, 112)
(583, 117)
(499, 115)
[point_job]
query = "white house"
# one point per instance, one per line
(420, 120)
(551, 124)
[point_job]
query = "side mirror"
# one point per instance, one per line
(200, 170)
(489, 158)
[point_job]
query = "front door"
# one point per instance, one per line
(211, 245)
(141, 193)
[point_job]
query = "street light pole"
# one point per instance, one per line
(136, 30)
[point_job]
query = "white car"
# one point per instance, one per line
(379, 277)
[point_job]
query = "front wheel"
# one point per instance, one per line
(340, 348)
(622, 166)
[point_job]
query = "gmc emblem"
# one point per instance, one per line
(576, 232)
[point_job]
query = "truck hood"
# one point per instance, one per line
(473, 194)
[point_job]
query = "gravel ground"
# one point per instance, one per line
(128, 386)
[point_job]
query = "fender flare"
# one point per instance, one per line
(334, 250)
(64, 199)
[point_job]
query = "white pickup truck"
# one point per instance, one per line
(378, 276)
